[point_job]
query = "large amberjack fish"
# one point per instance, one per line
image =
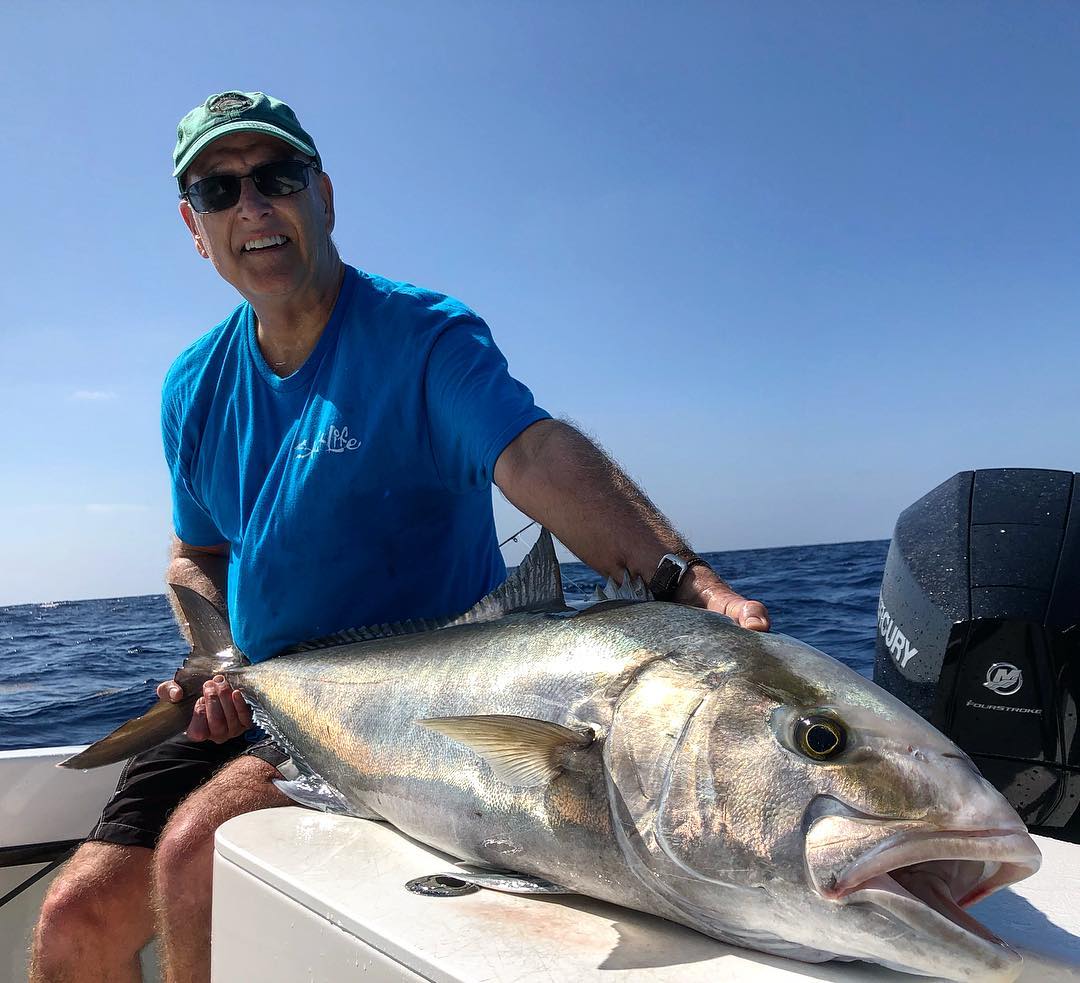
(648, 754)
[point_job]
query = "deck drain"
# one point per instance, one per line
(441, 886)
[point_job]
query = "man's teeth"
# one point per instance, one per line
(265, 242)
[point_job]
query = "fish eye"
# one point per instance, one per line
(820, 737)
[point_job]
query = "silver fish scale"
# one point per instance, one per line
(349, 715)
(690, 804)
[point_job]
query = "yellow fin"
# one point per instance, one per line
(521, 751)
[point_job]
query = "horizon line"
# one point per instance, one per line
(751, 549)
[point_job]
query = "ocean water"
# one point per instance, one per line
(71, 671)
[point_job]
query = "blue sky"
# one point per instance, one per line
(793, 264)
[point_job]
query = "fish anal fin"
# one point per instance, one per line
(521, 751)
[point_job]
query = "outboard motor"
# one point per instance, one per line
(979, 631)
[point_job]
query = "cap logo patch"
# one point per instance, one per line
(229, 102)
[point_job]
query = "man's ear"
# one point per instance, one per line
(187, 213)
(326, 191)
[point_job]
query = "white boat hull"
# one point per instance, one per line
(44, 812)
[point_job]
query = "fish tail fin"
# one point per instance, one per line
(212, 652)
(212, 648)
(162, 721)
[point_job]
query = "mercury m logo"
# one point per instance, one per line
(1004, 679)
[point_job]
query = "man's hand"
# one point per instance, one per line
(704, 589)
(221, 713)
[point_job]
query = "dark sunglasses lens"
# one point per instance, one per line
(282, 177)
(276, 179)
(212, 194)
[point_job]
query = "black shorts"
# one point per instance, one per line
(155, 782)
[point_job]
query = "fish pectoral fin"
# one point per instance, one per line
(511, 883)
(313, 792)
(521, 751)
(456, 883)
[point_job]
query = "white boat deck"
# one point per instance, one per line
(299, 895)
(304, 896)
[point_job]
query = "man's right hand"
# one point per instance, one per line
(220, 714)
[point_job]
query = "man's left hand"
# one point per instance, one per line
(704, 589)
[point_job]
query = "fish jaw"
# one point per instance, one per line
(921, 878)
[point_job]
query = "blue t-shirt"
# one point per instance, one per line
(357, 490)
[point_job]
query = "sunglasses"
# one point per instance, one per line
(275, 180)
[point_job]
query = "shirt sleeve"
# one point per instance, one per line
(474, 406)
(191, 521)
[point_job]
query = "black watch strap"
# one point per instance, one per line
(669, 574)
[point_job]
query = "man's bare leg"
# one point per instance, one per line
(183, 862)
(95, 918)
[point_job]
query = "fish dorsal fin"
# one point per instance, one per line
(521, 751)
(536, 585)
(631, 589)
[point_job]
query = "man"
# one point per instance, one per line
(332, 446)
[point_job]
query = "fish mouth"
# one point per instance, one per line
(925, 878)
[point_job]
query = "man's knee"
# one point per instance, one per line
(69, 911)
(183, 860)
(100, 898)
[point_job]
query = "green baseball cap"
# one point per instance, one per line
(231, 112)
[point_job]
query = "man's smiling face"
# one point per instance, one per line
(267, 247)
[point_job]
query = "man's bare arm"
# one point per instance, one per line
(222, 712)
(557, 476)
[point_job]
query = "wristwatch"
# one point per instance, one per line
(669, 574)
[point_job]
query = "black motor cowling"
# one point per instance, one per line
(978, 631)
